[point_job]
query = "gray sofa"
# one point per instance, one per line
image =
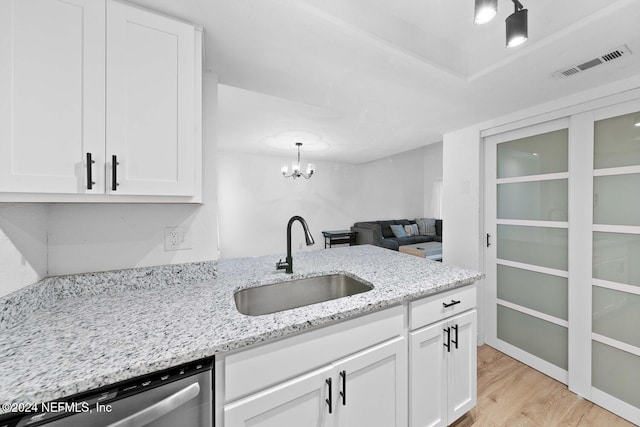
(379, 233)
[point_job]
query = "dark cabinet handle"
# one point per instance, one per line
(452, 303)
(488, 239)
(343, 393)
(455, 328)
(448, 343)
(330, 399)
(90, 163)
(114, 173)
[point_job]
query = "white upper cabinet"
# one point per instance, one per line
(85, 81)
(150, 102)
(51, 93)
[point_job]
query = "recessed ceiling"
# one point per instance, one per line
(370, 78)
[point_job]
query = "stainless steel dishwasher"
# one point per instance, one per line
(181, 396)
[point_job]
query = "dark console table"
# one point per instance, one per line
(339, 237)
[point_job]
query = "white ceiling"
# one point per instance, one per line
(357, 80)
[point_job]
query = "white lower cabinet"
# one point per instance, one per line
(366, 389)
(299, 402)
(443, 367)
(371, 387)
(407, 365)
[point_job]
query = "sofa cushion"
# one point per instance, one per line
(408, 240)
(391, 243)
(369, 225)
(398, 230)
(423, 239)
(402, 221)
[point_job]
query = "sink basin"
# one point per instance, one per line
(296, 293)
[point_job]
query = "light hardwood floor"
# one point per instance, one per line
(513, 394)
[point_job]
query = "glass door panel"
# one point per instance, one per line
(542, 246)
(537, 200)
(538, 291)
(534, 155)
(616, 315)
(616, 372)
(616, 199)
(616, 258)
(536, 336)
(617, 142)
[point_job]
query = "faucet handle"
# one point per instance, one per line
(280, 265)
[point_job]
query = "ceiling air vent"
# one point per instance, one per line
(585, 65)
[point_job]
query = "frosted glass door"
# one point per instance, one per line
(562, 223)
(530, 182)
(616, 262)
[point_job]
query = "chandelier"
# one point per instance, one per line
(295, 168)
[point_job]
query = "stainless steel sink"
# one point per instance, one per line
(296, 293)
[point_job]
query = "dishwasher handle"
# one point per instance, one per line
(157, 410)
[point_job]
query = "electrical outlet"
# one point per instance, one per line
(175, 239)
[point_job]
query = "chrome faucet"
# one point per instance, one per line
(287, 266)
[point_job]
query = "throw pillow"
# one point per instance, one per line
(430, 226)
(411, 229)
(426, 226)
(384, 227)
(398, 230)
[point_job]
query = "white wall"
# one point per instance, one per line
(256, 202)
(432, 173)
(23, 245)
(461, 198)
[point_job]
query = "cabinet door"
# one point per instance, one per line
(150, 103)
(51, 94)
(428, 376)
(371, 387)
(300, 402)
(462, 366)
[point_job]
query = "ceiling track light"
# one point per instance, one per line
(517, 25)
(485, 11)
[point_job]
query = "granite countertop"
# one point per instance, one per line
(71, 334)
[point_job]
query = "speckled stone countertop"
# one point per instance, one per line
(71, 334)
